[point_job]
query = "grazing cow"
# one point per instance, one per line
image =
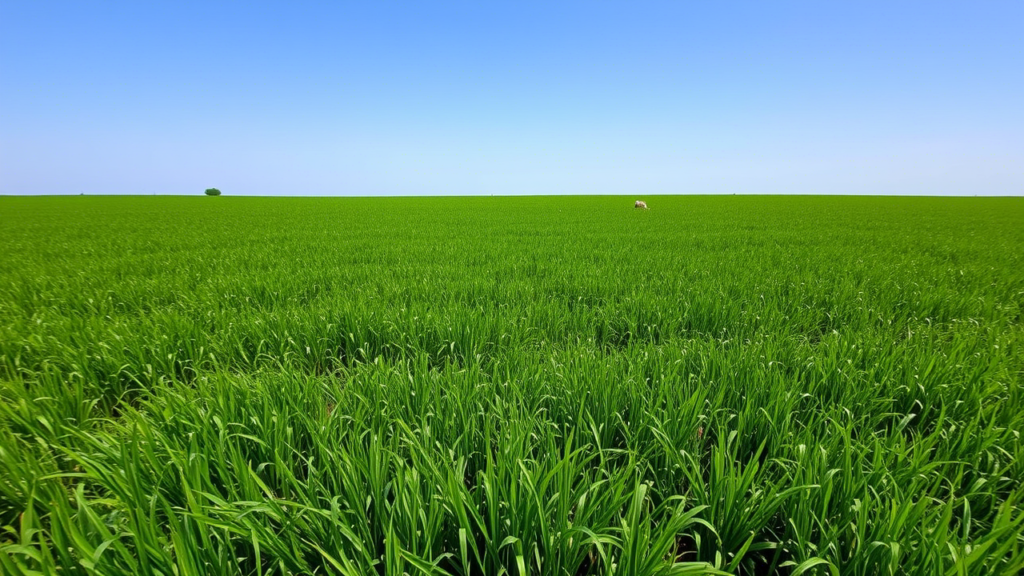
(640, 204)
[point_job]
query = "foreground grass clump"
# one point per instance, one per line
(562, 386)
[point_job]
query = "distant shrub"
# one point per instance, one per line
(212, 192)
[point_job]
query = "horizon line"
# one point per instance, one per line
(656, 194)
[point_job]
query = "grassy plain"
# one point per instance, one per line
(561, 385)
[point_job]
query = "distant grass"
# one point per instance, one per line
(747, 385)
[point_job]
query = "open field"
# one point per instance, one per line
(559, 385)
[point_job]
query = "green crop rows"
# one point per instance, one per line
(743, 385)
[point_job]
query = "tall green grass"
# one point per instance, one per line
(564, 386)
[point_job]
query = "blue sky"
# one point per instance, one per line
(638, 98)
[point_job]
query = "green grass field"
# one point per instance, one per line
(559, 385)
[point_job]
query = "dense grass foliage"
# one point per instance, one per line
(563, 386)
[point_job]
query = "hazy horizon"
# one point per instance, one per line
(461, 99)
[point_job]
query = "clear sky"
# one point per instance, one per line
(638, 98)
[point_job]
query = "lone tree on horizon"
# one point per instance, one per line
(212, 192)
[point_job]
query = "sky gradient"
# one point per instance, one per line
(638, 98)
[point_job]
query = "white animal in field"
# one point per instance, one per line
(640, 204)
